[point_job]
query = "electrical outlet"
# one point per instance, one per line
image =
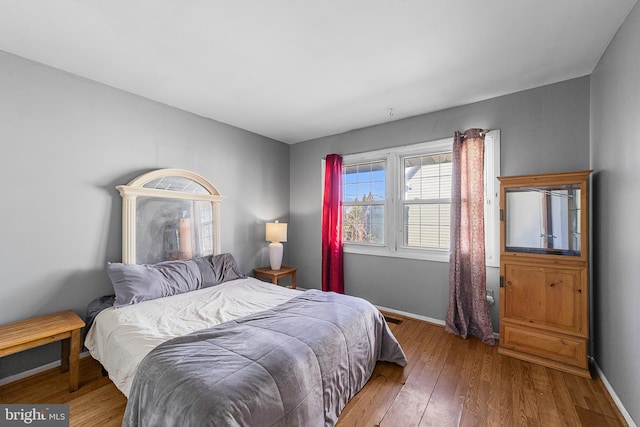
(490, 299)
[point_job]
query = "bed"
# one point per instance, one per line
(195, 342)
(137, 329)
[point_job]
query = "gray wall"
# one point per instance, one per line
(542, 130)
(615, 157)
(66, 142)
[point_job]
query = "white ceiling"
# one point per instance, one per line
(295, 70)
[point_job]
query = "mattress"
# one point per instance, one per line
(120, 338)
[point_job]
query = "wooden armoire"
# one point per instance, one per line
(544, 266)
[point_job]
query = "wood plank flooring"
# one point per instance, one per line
(447, 382)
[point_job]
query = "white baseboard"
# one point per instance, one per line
(411, 315)
(25, 374)
(419, 317)
(614, 396)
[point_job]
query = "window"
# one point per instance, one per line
(364, 198)
(396, 202)
(426, 200)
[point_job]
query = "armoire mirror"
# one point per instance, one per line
(543, 219)
(544, 214)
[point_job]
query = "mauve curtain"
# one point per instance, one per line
(332, 271)
(468, 311)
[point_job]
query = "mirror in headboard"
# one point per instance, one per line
(169, 214)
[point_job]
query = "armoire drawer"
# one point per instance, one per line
(555, 347)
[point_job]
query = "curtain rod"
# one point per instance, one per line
(483, 131)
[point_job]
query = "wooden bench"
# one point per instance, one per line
(37, 331)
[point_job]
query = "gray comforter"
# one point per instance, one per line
(295, 365)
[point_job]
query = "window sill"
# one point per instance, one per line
(436, 256)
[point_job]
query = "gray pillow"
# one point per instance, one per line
(218, 269)
(134, 283)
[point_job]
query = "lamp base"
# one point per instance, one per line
(275, 255)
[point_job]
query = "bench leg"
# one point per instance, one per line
(66, 351)
(74, 360)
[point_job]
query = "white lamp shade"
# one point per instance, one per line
(276, 232)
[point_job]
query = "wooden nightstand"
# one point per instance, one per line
(37, 331)
(274, 275)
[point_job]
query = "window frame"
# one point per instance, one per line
(426, 149)
(393, 205)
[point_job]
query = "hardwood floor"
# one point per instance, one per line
(447, 382)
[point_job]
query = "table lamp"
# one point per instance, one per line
(276, 232)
